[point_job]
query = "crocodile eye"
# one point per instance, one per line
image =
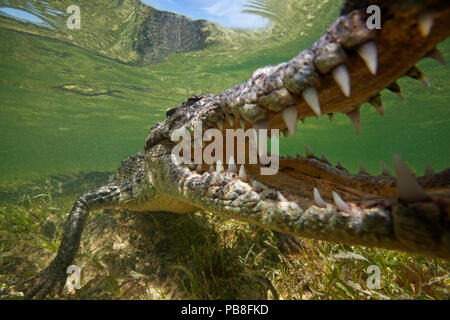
(170, 111)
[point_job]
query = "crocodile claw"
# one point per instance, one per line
(46, 281)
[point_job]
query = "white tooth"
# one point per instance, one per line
(340, 204)
(231, 120)
(429, 171)
(385, 169)
(243, 124)
(331, 117)
(362, 169)
(425, 81)
(290, 118)
(281, 197)
(199, 168)
(312, 99)
(369, 53)
(355, 117)
(242, 173)
(318, 199)
(324, 159)
(231, 165)
(211, 169)
(220, 124)
(380, 110)
(342, 78)
(426, 23)
(407, 185)
(309, 153)
(219, 166)
(286, 133)
(437, 55)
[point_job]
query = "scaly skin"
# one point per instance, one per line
(402, 214)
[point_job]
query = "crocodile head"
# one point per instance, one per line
(349, 65)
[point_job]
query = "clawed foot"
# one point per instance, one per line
(47, 281)
(288, 243)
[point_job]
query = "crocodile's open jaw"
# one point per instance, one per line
(345, 68)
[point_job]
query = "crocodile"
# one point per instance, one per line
(308, 197)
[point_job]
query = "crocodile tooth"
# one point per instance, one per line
(435, 54)
(377, 103)
(318, 199)
(242, 173)
(408, 188)
(429, 171)
(231, 121)
(416, 73)
(219, 166)
(220, 124)
(309, 153)
(281, 197)
(340, 166)
(342, 78)
(260, 125)
(242, 123)
(211, 169)
(340, 204)
(362, 169)
(355, 117)
(331, 116)
(395, 88)
(199, 168)
(369, 53)
(286, 133)
(324, 159)
(385, 169)
(290, 118)
(312, 99)
(426, 20)
(231, 165)
(288, 156)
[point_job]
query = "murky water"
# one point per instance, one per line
(66, 107)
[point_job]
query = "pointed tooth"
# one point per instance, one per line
(312, 99)
(231, 120)
(429, 171)
(318, 199)
(377, 103)
(340, 204)
(286, 133)
(211, 169)
(342, 78)
(309, 153)
(355, 117)
(220, 124)
(395, 88)
(435, 54)
(426, 20)
(242, 123)
(290, 118)
(288, 156)
(242, 173)
(231, 165)
(362, 169)
(219, 166)
(416, 73)
(408, 188)
(331, 116)
(340, 166)
(369, 53)
(385, 169)
(281, 197)
(199, 168)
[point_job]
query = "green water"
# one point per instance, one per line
(47, 129)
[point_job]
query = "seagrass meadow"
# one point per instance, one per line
(73, 105)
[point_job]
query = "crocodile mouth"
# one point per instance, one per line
(350, 65)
